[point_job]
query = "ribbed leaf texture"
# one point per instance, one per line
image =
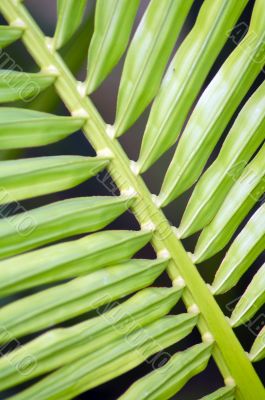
(75, 291)
(70, 15)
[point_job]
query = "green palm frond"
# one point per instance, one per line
(9, 35)
(83, 306)
(70, 14)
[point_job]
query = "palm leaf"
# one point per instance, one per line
(141, 75)
(257, 351)
(51, 283)
(251, 301)
(57, 221)
(70, 14)
(214, 109)
(21, 86)
(70, 259)
(248, 245)
(112, 19)
(243, 195)
(111, 360)
(66, 301)
(168, 380)
(221, 394)
(31, 177)
(236, 151)
(21, 128)
(183, 80)
(8, 35)
(64, 345)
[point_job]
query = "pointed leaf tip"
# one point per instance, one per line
(114, 19)
(154, 40)
(70, 14)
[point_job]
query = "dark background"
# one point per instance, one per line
(105, 100)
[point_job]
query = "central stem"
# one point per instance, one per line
(228, 353)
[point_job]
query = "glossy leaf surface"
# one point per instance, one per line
(245, 137)
(246, 191)
(111, 361)
(69, 259)
(22, 86)
(70, 14)
(88, 281)
(166, 381)
(9, 34)
(20, 128)
(247, 246)
(31, 177)
(113, 24)
(31, 229)
(147, 58)
(66, 301)
(65, 345)
(226, 393)
(215, 108)
(185, 77)
(257, 351)
(251, 301)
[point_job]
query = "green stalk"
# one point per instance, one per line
(228, 353)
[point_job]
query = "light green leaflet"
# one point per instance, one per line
(70, 14)
(74, 56)
(185, 76)
(244, 138)
(69, 259)
(247, 246)
(113, 24)
(244, 194)
(31, 177)
(85, 276)
(226, 393)
(111, 360)
(20, 128)
(215, 109)
(257, 351)
(166, 381)
(8, 35)
(66, 301)
(64, 345)
(147, 57)
(251, 301)
(31, 229)
(23, 86)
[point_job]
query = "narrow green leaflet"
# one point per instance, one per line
(9, 34)
(70, 14)
(215, 109)
(251, 301)
(247, 246)
(66, 301)
(226, 393)
(246, 191)
(74, 56)
(69, 259)
(32, 177)
(65, 345)
(257, 351)
(28, 230)
(112, 360)
(244, 138)
(166, 381)
(147, 57)
(23, 86)
(185, 77)
(20, 128)
(113, 24)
